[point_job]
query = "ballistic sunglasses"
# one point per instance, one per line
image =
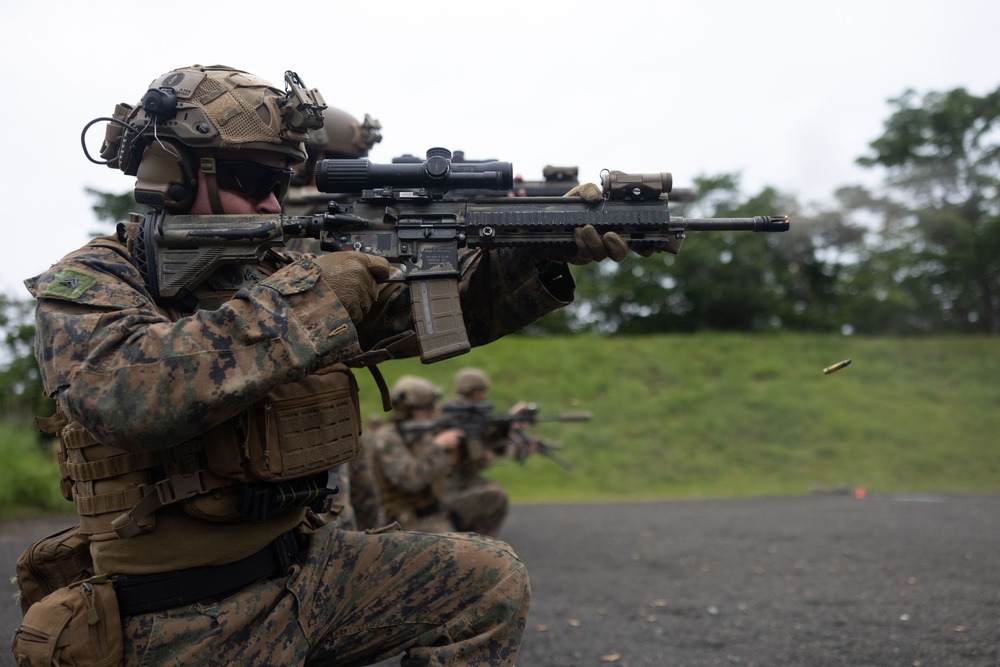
(252, 179)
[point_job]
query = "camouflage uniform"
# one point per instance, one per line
(474, 502)
(136, 379)
(356, 506)
(356, 599)
(411, 472)
(341, 512)
(365, 497)
(115, 387)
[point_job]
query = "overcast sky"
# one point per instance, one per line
(788, 93)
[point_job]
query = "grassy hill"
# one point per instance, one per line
(721, 415)
(716, 415)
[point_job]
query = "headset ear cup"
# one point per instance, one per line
(166, 177)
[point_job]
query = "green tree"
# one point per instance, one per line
(938, 263)
(729, 281)
(113, 208)
(21, 390)
(20, 382)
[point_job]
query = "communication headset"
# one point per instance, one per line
(168, 168)
(166, 176)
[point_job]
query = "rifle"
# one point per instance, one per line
(485, 429)
(406, 215)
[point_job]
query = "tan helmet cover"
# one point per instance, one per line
(341, 137)
(411, 393)
(216, 107)
(468, 380)
(188, 113)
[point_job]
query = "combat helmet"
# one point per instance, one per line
(341, 137)
(413, 393)
(468, 380)
(189, 113)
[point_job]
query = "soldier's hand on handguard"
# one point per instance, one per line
(354, 276)
(590, 246)
(589, 243)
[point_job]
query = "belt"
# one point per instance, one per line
(146, 593)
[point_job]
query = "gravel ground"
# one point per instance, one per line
(820, 580)
(812, 581)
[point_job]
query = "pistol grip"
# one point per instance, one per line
(437, 317)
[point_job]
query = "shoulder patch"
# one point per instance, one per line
(69, 284)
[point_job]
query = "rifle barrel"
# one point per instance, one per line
(567, 417)
(758, 223)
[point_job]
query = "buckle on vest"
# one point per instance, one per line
(179, 487)
(164, 492)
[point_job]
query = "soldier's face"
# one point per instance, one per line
(234, 202)
(420, 414)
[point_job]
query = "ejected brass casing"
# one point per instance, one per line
(836, 367)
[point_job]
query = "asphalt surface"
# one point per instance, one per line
(813, 581)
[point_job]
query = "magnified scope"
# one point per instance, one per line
(436, 173)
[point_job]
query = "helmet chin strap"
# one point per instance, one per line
(207, 166)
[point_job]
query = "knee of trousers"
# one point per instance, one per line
(505, 576)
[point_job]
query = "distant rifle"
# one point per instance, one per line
(556, 181)
(487, 430)
(457, 157)
(407, 215)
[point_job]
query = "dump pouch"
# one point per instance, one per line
(75, 626)
(59, 560)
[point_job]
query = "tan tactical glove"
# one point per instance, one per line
(613, 243)
(590, 246)
(354, 277)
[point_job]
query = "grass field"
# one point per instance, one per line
(708, 416)
(29, 478)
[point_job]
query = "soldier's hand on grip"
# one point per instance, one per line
(449, 438)
(354, 277)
